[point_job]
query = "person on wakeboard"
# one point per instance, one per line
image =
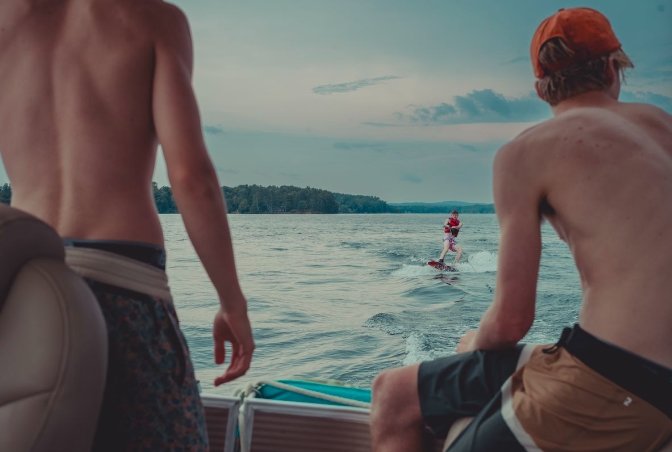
(451, 227)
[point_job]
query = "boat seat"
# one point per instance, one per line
(53, 342)
(221, 419)
(279, 426)
(304, 416)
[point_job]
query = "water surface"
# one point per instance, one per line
(342, 297)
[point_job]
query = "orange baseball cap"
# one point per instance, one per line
(586, 31)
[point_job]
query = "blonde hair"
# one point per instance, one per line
(578, 78)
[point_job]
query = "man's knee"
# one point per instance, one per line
(380, 389)
(396, 391)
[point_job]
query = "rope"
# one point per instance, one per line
(315, 394)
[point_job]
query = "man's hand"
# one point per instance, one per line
(466, 344)
(234, 328)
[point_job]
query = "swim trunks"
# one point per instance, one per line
(452, 241)
(151, 399)
(580, 394)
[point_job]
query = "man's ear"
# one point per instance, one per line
(538, 90)
(611, 70)
(613, 77)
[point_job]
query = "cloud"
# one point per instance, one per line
(412, 178)
(481, 106)
(349, 146)
(292, 176)
(213, 130)
(227, 171)
(352, 86)
(517, 60)
(469, 147)
(653, 72)
(659, 100)
(378, 124)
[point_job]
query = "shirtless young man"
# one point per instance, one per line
(90, 88)
(606, 385)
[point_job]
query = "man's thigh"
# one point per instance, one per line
(487, 432)
(462, 385)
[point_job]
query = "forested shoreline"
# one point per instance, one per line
(256, 199)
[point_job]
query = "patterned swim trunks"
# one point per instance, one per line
(151, 400)
(452, 241)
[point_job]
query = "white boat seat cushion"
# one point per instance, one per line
(53, 342)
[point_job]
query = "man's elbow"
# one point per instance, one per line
(510, 327)
(196, 182)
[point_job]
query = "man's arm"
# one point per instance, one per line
(517, 198)
(195, 185)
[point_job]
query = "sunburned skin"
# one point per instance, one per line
(601, 173)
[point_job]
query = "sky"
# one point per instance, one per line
(407, 100)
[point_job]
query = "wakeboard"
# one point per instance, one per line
(441, 266)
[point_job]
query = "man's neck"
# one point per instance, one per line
(590, 99)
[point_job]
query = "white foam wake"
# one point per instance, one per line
(417, 349)
(412, 271)
(479, 262)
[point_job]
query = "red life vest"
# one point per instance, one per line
(452, 222)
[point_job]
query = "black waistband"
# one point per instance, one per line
(144, 252)
(645, 379)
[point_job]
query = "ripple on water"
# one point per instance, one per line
(346, 296)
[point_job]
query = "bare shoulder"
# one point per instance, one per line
(516, 149)
(157, 18)
(649, 115)
(169, 26)
(647, 109)
(525, 158)
(165, 15)
(513, 160)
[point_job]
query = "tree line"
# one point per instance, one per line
(444, 208)
(290, 199)
(256, 199)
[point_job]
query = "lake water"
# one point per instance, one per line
(342, 297)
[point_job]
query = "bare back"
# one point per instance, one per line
(606, 180)
(76, 131)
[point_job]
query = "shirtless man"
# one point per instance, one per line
(606, 384)
(90, 88)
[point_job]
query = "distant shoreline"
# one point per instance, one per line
(287, 199)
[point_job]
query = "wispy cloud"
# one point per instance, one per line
(349, 146)
(480, 106)
(352, 86)
(412, 178)
(379, 124)
(469, 147)
(654, 72)
(226, 171)
(292, 176)
(517, 60)
(213, 130)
